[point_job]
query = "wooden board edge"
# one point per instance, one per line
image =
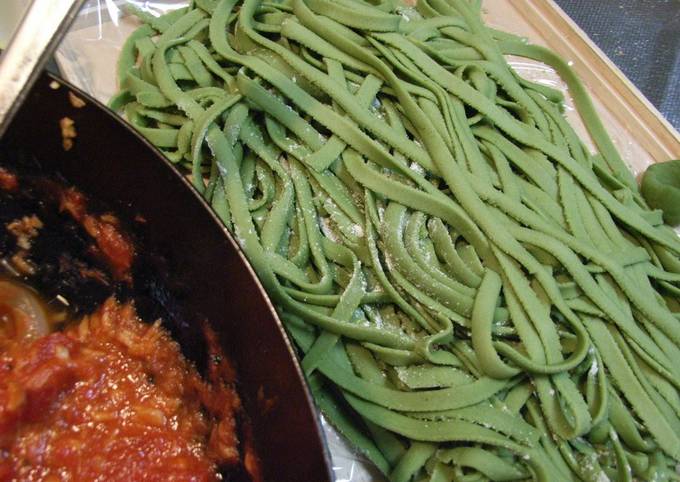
(603, 78)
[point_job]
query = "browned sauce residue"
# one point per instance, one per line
(114, 245)
(8, 180)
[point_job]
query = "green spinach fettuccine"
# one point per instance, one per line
(475, 295)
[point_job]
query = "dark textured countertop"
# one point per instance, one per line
(642, 37)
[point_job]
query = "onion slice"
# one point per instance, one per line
(22, 314)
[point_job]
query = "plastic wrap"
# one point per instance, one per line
(87, 58)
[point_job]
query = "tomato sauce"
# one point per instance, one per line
(106, 397)
(111, 398)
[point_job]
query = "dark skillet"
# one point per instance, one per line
(190, 270)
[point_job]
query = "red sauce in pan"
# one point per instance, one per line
(112, 398)
(108, 397)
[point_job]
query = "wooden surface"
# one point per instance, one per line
(638, 129)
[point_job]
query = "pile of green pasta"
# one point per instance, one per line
(475, 295)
